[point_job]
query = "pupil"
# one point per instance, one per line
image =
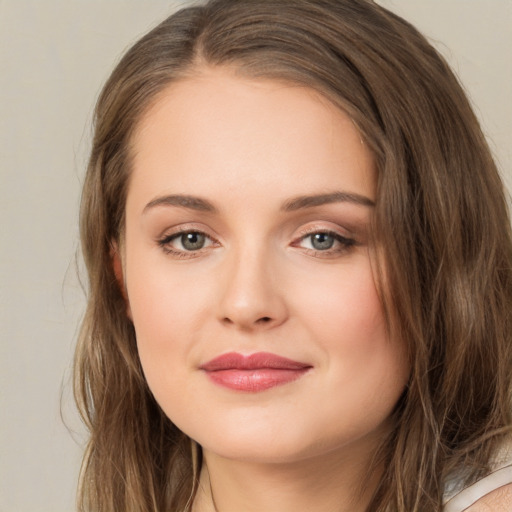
(322, 241)
(192, 241)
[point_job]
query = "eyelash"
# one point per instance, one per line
(165, 243)
(345, 244)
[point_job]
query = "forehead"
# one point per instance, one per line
(215, 129)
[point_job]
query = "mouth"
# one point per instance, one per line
(253, 373)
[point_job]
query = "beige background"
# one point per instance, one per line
(54, 56)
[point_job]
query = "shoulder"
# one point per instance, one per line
(499, 500)
(492, 493)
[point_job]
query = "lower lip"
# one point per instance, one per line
(253, 381)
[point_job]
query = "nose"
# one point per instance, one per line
(252, 294)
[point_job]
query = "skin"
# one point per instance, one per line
(250, 149)
(499, 500)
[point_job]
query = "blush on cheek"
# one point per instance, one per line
(348, 305)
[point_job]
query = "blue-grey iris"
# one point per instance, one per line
(322, 241)
(193, 241)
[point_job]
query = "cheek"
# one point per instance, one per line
(165, 309)
(345, 318)
(344, 307)
(161, 316)
(163, 297)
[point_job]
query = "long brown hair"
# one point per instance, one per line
(441, 220)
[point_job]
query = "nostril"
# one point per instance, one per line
(247, 323)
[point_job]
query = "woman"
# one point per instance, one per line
(300, 271)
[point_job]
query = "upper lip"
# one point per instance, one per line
(258, 360)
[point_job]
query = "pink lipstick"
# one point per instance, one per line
(253, 373)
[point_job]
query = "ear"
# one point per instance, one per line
(117, 267)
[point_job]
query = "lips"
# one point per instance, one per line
(253, 373)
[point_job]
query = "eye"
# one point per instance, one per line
(325, 242)
(185, 243)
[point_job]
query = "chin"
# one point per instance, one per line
(256, 452)
(268, 444)
(251, 440)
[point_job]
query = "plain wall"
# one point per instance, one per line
(54, 56)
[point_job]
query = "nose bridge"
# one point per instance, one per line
(251, 296)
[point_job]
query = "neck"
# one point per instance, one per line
(333, 482)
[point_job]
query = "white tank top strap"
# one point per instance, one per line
(457, 498)
(470, 495)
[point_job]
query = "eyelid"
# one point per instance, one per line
(186, 227)
(312, 228)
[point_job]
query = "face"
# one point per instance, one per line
(247, 265)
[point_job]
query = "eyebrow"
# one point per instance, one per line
(185, 201)
(301, 202)
(296, 203)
